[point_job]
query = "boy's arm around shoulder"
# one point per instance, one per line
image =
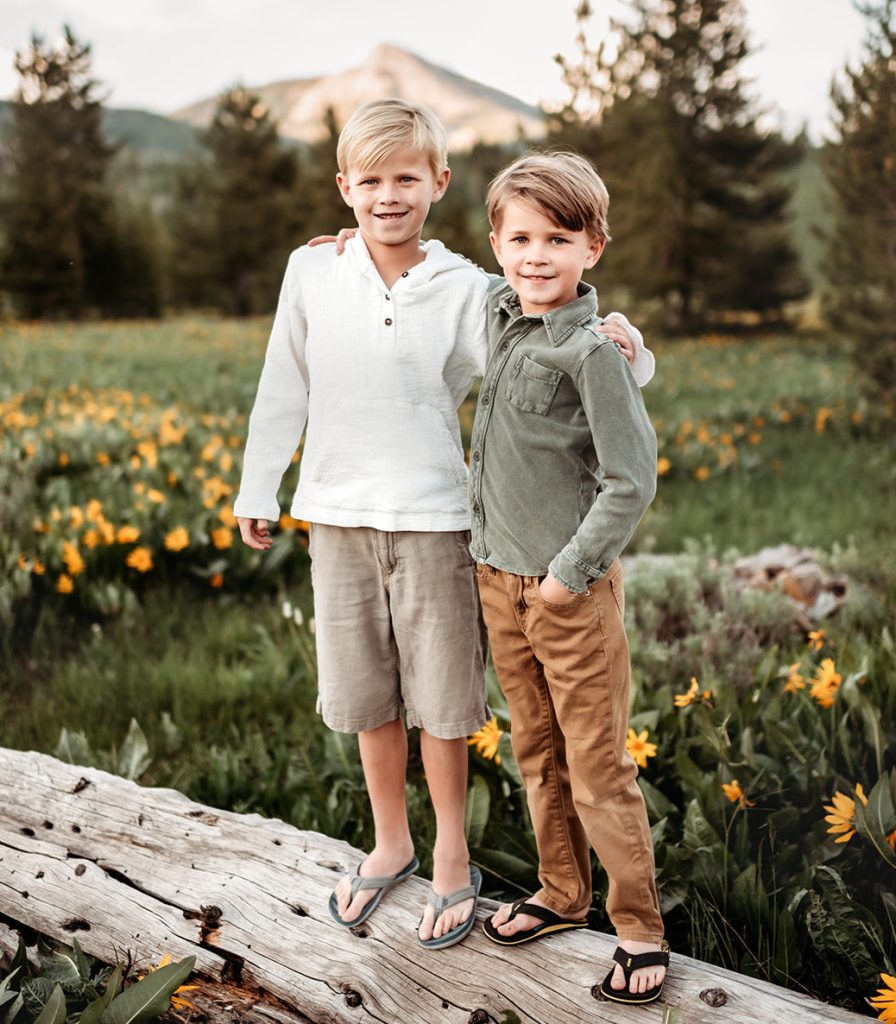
(281, 405)
(617, 327)
(625, 443)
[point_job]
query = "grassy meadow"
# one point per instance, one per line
(137, 633)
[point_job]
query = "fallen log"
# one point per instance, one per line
(140, 871)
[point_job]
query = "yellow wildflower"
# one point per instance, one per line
(885, 1000)
(102, 458)
(155, 495)
(683, 699)
(94, 510)
(127, 534)
(486, 740)
(91, 538)
(701, 473)
(74, 563)
(225, 514)
(794, 680)
(217, 581)
(821, 419)
(636, 744)
(140, 559)
(735, 794)
(177, 539)
(222, 538)
(135, 462)
(842, 814)
(64, 584)
(754, 438)
(663, 465)
(75, 517)
(38, 568)
(825, 683)
(816, 639)
(63, 459)
(176, 1001)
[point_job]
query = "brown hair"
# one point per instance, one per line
(378, 128)
(565, 186)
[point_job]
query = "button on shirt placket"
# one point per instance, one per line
(497, 362)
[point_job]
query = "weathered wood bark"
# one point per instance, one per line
(127, 868)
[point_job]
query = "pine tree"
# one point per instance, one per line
(58, 256)
(234, 219)
(861, 168)
(698, 201)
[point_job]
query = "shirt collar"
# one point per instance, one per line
(559, 323)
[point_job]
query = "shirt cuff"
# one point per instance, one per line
(247, 507)
(576, 575)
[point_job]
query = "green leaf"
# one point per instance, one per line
(83, 963)
(509, 1017)
(878, 820)
(59, 968)
(94, 1011)
(476, 810)
(13, 1011)
(73, 748)
(508, 761)
(150, 997)
(698, 833)
(134, 759)
(671, 1015)
(9, 984)
(54, 1012)
(20, 960)
(658, 805)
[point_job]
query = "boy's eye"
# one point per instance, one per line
(407, 177)
(557, 240)
(519, 238)
(368, 181)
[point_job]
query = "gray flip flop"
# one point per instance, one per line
(382, 883)
(442, 903)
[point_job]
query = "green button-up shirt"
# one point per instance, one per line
(563, 455)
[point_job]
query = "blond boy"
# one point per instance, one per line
(563, 467)
(376, 349)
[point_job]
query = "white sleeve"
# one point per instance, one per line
(644, 365)
(281, 406)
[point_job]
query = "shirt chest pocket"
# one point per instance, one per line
(532, 387)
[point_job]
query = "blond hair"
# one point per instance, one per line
(378, 128)
(564, 186)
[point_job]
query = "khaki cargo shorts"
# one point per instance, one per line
(398, 629)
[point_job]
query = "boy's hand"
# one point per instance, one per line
(554, 592)
(255, 533)
(618, 329)
(344, 235)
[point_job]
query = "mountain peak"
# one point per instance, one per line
(471, 112)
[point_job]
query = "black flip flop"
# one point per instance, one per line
(631, 962)
(551, 923)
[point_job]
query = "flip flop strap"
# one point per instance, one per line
(533, 910)
(370, 882)
(441, 903)
(635, 961)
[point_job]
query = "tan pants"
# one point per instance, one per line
(565, 672)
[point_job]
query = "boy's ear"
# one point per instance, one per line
(344, 188)
(595, 251)
(441, 185)
(496, 249)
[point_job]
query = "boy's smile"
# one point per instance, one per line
(542, 261)
(391, 200)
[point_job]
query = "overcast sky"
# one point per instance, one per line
(163, 54)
